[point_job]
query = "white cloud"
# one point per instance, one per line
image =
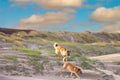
(49, 19)
(52, 4)
(113, 27)
(102, 14)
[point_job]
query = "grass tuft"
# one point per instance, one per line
(9, 57)
(29, 52)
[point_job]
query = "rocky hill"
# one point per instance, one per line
(80, 37)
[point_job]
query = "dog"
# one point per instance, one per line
(61, 50)
(73, 69)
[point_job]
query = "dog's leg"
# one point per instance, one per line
(71, 74)
(57, 53)
(77, 75)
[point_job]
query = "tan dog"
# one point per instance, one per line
(73, 69)
(61, 50)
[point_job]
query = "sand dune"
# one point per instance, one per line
(109, 58)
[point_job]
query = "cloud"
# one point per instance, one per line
(49, 19)
(68, 10)
(113, 27)
(102, 14)
(52, 4)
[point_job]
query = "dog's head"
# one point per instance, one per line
(79, 71)
(68, 53)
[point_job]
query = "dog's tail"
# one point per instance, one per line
(55, 45)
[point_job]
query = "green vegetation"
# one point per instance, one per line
(13, 59)
(81, 45)
(34, 58)
(84, 61)
(73, 56)
(29, 52)
(9, 57)
(36, 65)
(49, 50)
(78, 46)
(50, 37)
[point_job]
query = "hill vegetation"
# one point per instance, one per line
(16, 36)
(31, 52)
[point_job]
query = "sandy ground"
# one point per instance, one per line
(110, 69)
(5, 78)
(87, 75)
(104, 73)
(109, 58)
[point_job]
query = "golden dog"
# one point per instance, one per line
(73, 69)
(61, 50)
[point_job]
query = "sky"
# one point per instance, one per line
(61, 15)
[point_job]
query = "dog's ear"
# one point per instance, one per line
(68, 52)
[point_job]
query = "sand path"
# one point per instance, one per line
(108, 58)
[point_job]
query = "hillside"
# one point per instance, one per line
(80, 37)
(29, 55)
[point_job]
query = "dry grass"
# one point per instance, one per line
(20, 34)
(1, 33)
(102, 44)
(12, 39)
(6, 38)
(115, 43)
(33, 33)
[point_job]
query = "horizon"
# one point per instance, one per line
(61, 15)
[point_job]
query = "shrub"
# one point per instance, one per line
(33, 33)
(20, 34)
(6, 38)
(102, 44)
(29, 52)
(13, 58)
(84, 62)
(113, 43)
(16, 38)
(33, 58)
(18, 43)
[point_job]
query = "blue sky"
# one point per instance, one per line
(61, 15)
